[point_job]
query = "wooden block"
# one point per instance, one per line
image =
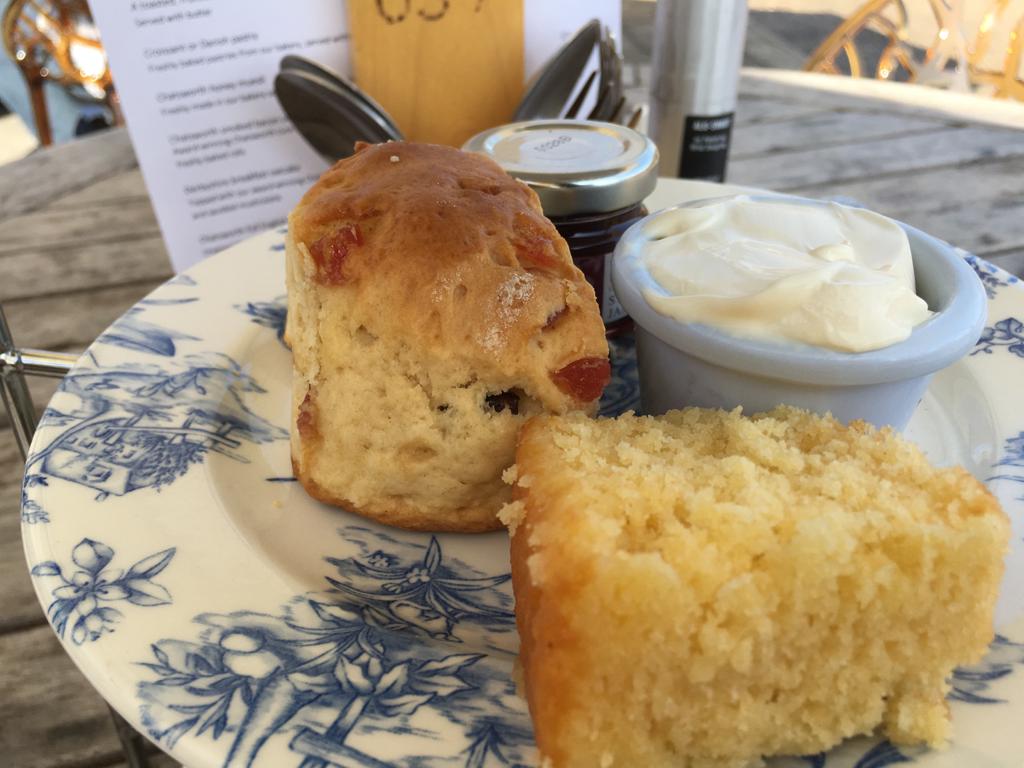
(443, 69)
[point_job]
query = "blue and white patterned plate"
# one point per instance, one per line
(237, 622)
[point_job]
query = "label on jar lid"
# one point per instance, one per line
(574, 166)
(561, 150)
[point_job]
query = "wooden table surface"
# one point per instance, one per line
(79, 244)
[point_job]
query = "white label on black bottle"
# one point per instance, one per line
(705, 147)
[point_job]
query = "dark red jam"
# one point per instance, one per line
(592, 238)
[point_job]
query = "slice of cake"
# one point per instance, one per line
(703, 588)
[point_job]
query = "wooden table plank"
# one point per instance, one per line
(33, 270)
(51, 716)
(18, 605)
(126, 185)
(59, 170)
(871, 159)
(1011, 261)
(825, 129)
(979, 206)
(71, 321)
(754, 111)
(19, 608)
(44, 679)
(158, 760)
(41, 391)
(74, 227)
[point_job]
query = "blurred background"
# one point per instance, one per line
(54, 83)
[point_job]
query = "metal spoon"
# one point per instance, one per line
(373, 109)
(329, 118)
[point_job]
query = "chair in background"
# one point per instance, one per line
(954, 59)
(1007, 82)
(56, 40)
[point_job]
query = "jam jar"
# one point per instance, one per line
(591, 179)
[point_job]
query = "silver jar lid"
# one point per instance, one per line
(574, 166)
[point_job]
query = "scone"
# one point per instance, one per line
(432, 309)
(702, 589)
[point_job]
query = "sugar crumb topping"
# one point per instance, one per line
(516, 290)
(511, 515)
(394, 158)
(492, 339)
(512, 296)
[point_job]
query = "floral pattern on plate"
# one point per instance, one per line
(399, 650)
(143, 426)
(83, 599)
(353, 658)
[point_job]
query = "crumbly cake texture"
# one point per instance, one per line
(702, 589)
(431, 310)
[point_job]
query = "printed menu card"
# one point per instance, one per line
(220, 159)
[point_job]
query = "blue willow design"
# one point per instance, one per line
(1013, 458)
(131, 332)
(969, 683)
(1008, 333)
(269, 314)
(882, 754)
(492, 739)
(623, 391)
(427, 597)
(142, 426)
(879, 755)
(992, 278)
(31, 511)
(352, 657)
(83, 599)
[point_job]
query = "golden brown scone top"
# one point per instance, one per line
(445, 249)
